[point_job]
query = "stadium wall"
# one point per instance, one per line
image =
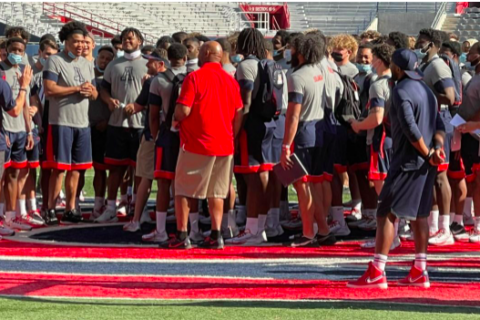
(395, 21)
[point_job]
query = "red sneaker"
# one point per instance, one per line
(416, 278)
(372, 278)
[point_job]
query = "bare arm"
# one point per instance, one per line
(181, 112)
(237, 123)
(448, 97)
(107, 98)
(291, 122)
(373, 120)
(154, 120)
(52, 89)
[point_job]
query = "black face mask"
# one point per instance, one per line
(337, 56)
(294, 62)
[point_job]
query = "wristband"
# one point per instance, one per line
(285, 146)
(30, 133)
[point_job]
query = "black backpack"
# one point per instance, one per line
(348, 106)
(269, 99)
(177, 81)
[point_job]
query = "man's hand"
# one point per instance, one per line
(145, 78)
(32, 111)
(102, 126)
(285, 161)
(130, 109)
(86, 90)
(355, 125)
(30, 143)
(438, 157)
(7, 141)
(468, 127)
(26, 77)
(113, 104)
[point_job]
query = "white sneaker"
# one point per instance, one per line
(241, 238)
(122, 209)
(196, 237)
(462, 237)
(369, 224)
(31, 221)
(17, 224)
(97, 213)
(475, 236)
(354, 216)
(108, 216)
(371, 244)
(131, 226)
(403, 227)
(442, 238)
(293, 224)
(241, 217)
(6, 231)
(37, 217)
(156, 237)
(60, 203)
(468, 219)
(339, 229)
(205, 220)
(145, 218)
(257, 239)
(230, 232)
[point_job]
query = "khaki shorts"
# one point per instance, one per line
(145, 159)
(198, 176)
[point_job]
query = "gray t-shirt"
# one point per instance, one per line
(13, 124)
(71, 110)
(161, 90)
(437, 75)
(466, 77)
(379, 97)
(333, 84)
(192, 65)
(123, 79)
(470, 108)
(230, 69)
(306, 86)
(36, 87)
(98, 110)
(247, 71)
(35, 69)
(348, 69)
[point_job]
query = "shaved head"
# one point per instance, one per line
(210, 51)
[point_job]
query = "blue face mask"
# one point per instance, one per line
(42, 61)
(364, 68)
(236, 58)
(120, 53)
(420, 54)
(276, 53)
(14, 58)
(71, 55)
(98, 69)
(463, 58)
(287, 54)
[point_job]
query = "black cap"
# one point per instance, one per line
(407, 61)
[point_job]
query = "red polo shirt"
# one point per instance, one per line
(214, 98)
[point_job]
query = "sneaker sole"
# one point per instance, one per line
(418, 285)
(446, 243)
(368, 286)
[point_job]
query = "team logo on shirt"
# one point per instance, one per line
(78, 75)
(127, 74)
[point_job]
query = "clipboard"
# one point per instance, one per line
(287, 177)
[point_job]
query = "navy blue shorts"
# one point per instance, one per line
(277, 141)
(341, 162)
(470, 157)
(310, 157)
(122, 146)
(99, 147)
(68, 148)
(255, 146)
(167, 147)
(408, 194)
(16, 154)
(446, 118)
(379, 161)
(33, 156)
(357, 152)
(327, 156)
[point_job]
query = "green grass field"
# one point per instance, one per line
(81, 309)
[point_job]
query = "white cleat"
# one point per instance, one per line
(339, 229)
(17, 224)
(369, 224)
(97, 213)
(475, 236)
(354, 216)
(132, 226)
(122, 209)
(156, 237)
(442, 238)
(145, 218)
(241, 238)
(6, 231)
(108, 216)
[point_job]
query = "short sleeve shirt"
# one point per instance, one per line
(379, 97)
(7, 103)
(13, 124)
(98, 110)
(470, 107)
(348, 69)
(230, 69)
(437, 75)
(246, 75)
(71, 110)
(123, 79)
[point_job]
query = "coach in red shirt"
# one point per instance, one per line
(209, 111)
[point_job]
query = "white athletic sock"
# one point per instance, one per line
(161, 220)
(262, 221)
(10, 216)
(315, 229)
(22, 207)
(433, 221)
(2, 207)
(467, 207)
(337, 215)
(129, 191)
(111, 204)
(99, 203)
(444, 222)
(231, 218)
(476, 222)
(193, 218)
(273, 217)
(395, 227)
(32, 203)
(134, 197)
(421, 261)
(458, 219)
(124, 198)
(357, 204)
(252, 225)
(379, 261)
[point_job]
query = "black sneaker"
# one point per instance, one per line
(328, 240)
(209, 243)
(51, 217)
(456, 228)
(304, 242)
(72, 216)
(176, 243)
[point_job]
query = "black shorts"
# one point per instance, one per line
(99, 147)
(33, 156)
(255, 146)
(122, 146)
(327, 156)
(340, 158)
(310, 157)
(470, 156)
(357, 152)
(167, 147)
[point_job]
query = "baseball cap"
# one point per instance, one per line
(155, 55)
(407, 61)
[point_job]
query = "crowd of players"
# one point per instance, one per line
(66, 110)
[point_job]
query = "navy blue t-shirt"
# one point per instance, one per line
(7, 102)
(413, 115)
